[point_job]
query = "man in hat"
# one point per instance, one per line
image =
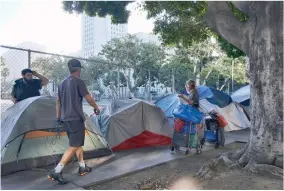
(69, 110)
(27, 87)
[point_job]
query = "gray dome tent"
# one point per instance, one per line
(28, 139)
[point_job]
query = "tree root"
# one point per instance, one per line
(237, 159)
(209, 167)
(264, 169)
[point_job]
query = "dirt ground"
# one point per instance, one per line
(179, 174)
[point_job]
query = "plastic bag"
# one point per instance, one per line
(188, 114)
(221, 121)
(179, 125)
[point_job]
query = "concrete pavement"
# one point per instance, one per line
(105, 168)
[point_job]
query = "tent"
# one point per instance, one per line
(232, 112)
(242, 96)
(133, 123)
(212, 95)
(28, 139)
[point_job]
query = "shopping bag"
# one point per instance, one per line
(188, 114)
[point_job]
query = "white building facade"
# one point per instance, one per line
(97, 31)
(148, 38)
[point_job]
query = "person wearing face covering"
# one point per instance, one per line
(27, 87)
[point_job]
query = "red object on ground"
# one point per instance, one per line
(221, 121)
(145, 139)
(178, 125)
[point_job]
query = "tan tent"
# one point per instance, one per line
(133, 123)
(28, 139)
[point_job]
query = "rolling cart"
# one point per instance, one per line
(188, 137)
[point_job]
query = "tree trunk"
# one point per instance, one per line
(266, 77)
(207, 76)
(262, 39)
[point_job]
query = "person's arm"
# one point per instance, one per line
(44, 80)
(13, 95)
(85, 93)
(91, 102)
(189, 101)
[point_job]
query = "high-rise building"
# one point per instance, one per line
(97, 31)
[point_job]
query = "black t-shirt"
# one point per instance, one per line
(22, 90)
(71, 92)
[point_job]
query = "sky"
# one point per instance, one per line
(45, 23)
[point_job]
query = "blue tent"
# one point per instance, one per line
(212, 95)
(216, 97)
(242, 96)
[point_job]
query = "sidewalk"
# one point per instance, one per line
(105, 168)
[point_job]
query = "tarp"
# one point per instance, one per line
(28, 139)
(214, 96)
(232, 113)
(134, 123)
(242, 95)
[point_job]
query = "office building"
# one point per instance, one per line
(97, 31)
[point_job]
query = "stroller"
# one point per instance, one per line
(213, 133)
(187, 129)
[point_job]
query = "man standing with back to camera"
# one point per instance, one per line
(69, 111)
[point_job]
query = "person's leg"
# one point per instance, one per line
(72, 133)
(79, 141)
(65, 158)
(222, 134)
(79, 154)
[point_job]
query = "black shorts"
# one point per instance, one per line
(75, 132)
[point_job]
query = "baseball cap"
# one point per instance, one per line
(74, 63)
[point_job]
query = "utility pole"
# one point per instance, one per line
(173, 81)
(232, 75)
(118, 83)
(149, 94)
(29, 58)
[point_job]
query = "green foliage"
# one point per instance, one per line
(214, 70)
(129, 52)
(117, 9)
(5, 72)
(151, 57)
(240, 15)
(180, 23)
(230, 49)
(182, 71)
(221, 71)
(55, 69)
(6, 87)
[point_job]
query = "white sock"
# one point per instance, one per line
(82, 164)
(59, 168)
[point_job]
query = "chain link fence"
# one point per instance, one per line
(105, 81)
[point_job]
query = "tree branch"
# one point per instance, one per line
(221, 19)
(207, 76)
(224, 84)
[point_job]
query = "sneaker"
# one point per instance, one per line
(57, 177)
(83, 171)
(173, 150)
